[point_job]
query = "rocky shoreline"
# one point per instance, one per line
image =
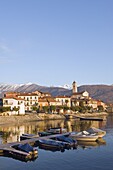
(29, 118)
(41, 117)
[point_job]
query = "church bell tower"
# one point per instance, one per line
(74, 87)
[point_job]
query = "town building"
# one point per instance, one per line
(30, 99)
(17, 105)
(83, 99)
(63, 101)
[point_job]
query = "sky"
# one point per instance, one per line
(56, 42)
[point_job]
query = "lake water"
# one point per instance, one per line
(91, 156)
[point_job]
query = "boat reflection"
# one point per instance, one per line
(56, 149)
(51, 149)
(20, 158)
(88, 144)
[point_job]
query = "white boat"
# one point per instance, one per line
(100, 133)
(84, 136)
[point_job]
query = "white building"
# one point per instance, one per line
(30, 99)
(63, 100)
(14, 103)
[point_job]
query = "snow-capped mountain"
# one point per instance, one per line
(66, 86)
(101, 92)
(30, 87)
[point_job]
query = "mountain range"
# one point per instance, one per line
(100, 92)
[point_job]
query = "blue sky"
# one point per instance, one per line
(54, 42)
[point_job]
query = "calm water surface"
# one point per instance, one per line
(88, 156)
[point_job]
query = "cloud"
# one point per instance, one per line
(4, 48)
(5, 53)
(5, 59)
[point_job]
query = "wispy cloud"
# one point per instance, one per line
(5, 59)
(4, 48)
(9, 54)
(5, 53)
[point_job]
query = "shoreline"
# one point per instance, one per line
(33, 117)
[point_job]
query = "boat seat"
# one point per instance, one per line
(85, 132)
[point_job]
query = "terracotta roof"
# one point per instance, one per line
(27, 94)
(18, 98)
(46, 99)
(62, 97)
(46, 93)
(37, 91)
(42, 100)
(77, 93)
(11, 92)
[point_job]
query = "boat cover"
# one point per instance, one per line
(66, 139)
(25, 147)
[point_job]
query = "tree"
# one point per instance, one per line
(4, 109)
(52, 108)
(45, 109)
(65, 108)
(34, 108)
(66, 101)
(15, 109)
(100, 108)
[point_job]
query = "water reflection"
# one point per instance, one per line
(12, 133)
(89, 144)
(20, 158)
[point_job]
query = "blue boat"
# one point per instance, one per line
(27, 148)
(69, 140)
(49, 143)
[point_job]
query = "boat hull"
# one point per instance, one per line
(86, 138)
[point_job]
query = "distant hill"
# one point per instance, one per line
(33, 87)
(102, 92)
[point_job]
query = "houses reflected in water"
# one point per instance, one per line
(12, 133)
